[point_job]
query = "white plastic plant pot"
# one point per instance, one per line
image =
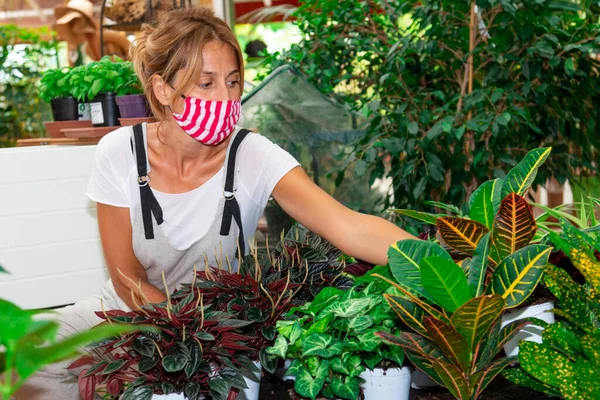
(252, 380)
(172, 396)
(532, 333)
(391, 384)
(420, 380)
(282, 374)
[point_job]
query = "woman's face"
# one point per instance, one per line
(220, 77)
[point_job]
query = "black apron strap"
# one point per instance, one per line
(149, 203)
(231, 210)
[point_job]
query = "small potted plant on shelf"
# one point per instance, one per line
(96, 85)
(566, 362)
(55, 89)
(335, 351)
(133, 106)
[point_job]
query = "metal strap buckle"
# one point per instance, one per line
(229, 195)
(143, 180)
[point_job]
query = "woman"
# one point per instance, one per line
(190, 188)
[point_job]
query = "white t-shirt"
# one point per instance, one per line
(260, 164)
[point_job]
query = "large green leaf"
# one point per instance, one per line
(452, 344)
(174, 363)
(560, 337)
(496, 339)
(418, 349)
(138, 393)
(478, 267)
(519, 377)
(350, 389)
(409, 313)
(30, 359)
(514, 227)
(14, 322)
(405, 257)
(322, 345)
(474, 319)
(461, 234)
(518, 274)
(308, 386)
(418, 215)
(348, 308)
(520, 178)
(424, 306)
(279, 348)
(487, 375)
(485, 202)
(551, 367)
(452, 379)
(445, 282)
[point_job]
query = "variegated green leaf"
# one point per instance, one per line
(474, 319)
(513, 229)
(486, 376)
(550, 367)
(420, 351)
(452, 344)
(520, 178)
(404, 258)
(518, 274)
(518, 376)
(308, 386)
(418, 215)
(485, 202)
(453, 379)
(496, 340)
(461, 234)
(412, 297)
(560, 337)
(445, 282)
(479, 267)
(409, 313)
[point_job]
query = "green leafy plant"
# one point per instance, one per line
(455, 89)
(55, 84)
(130, 82)
(104, 76)
(334, 340)
(28, 344)
(454, 293)
(567, 362)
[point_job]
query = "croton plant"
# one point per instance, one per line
(567, 362)
(453, 294)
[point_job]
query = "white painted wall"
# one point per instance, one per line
(49, 238)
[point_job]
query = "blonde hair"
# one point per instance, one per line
(175, 43)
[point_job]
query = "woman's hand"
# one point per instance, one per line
(126, 272)
(358, 235)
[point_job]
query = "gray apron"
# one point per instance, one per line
(156, 254)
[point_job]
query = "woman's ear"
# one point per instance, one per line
(162, 90)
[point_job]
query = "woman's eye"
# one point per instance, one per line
(234, 83)
(205, 85)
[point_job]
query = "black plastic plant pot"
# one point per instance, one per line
(64, 109)
(104, 110)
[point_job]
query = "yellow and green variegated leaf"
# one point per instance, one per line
(420, 351)
(590, 346)
(497, 339)
(478, 267)
(404, 258)
(520, 178)
(514, 227)
(409, 312)
(518, 274)
(415, 299)
(418, 215)
(452, 344)
(453, 380)
(474, 319)
(559, 336)
(551, 367)
(587, 265)
(485, 202)
(445, 282)
(486, 376)
(461, 234)
(519, 377)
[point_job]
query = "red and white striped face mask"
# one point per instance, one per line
(208, 121)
